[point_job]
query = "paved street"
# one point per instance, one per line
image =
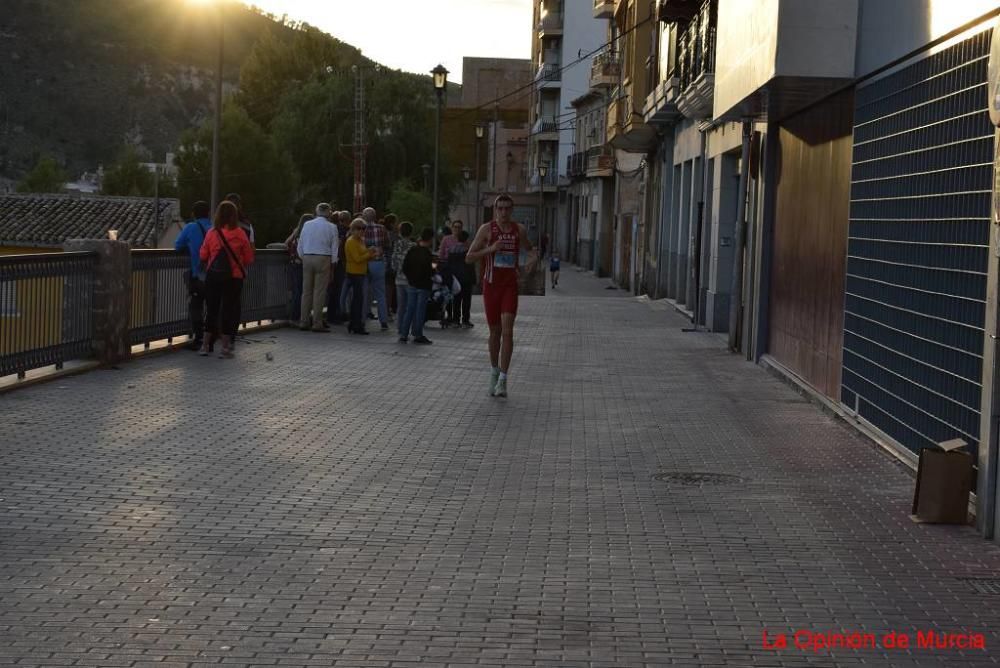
(356, 502)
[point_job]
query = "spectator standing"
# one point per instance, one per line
(554, 269)
(466, 275)
(191, 238)
(245, 223)
(295, 266)
(377, 239)
(391, 222)
(338, 290)
(402, 246)
(319, 246)
(418, 266)
(357, 256)
(226, 254)
(444, 250)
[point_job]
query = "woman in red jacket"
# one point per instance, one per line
(226, 254)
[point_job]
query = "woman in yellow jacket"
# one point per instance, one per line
(356, 257)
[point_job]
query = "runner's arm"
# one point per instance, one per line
(479, 249)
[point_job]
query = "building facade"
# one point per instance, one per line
(816, 180)
(563, 33)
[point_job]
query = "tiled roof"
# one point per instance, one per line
(49, 220)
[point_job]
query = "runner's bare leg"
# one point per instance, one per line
(495, 346)
(507, 340)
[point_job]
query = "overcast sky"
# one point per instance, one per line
(415, 35)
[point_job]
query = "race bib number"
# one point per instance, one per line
(504, 260)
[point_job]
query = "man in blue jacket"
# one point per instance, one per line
(190, 239)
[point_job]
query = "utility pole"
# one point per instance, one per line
(217, 126)
(496, 126)
(360, 148)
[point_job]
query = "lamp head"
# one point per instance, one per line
(466, 173)
(543, 169)
(480, 131)
(440, 77)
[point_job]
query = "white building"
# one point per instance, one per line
(564, 32)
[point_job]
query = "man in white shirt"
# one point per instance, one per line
(319, 246)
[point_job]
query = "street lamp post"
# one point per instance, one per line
(427, 177)
(217, 124)
(466, 175)
(480, 131)
(543, 170)
(440, 82)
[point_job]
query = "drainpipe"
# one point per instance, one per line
(736, 289)
(699, 233)
(989, 425)
(666, 186)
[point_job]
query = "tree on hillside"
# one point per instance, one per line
(277, 66)
(129, 177)
(251, 164)
(315, 123)
(412, 205)
(45, 177)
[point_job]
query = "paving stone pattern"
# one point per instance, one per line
(357, 502)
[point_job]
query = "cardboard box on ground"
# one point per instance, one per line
(944, 480)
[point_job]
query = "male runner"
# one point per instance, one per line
(500, 243)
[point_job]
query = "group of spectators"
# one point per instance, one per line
(342, 266)
(348, 265)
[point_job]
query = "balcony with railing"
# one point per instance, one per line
(576, 165)
(696, 63)
(662, 81)
(545, 128)
(606, 70)
(550, 183)
(604, 9)
(627, 128)
(600, 162)
(549, 75)
(550, 25)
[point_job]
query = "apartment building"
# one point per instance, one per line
(563, 34)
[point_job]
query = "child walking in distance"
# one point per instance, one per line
(499, 244)
(554, 269)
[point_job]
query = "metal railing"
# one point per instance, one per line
(551, 71)
(160, 296)
(599, 158)
(267, 292)
(46, 310)
(606, 64)
(696, 46)
(550, 22)
(47, 302)
(576, 164)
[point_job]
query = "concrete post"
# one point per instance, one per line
(112, 297)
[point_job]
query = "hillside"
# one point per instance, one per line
(81, 78)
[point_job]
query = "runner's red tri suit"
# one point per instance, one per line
(500, 272)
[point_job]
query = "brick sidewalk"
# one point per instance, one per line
(356, 502)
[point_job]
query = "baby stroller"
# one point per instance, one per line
(444, 289)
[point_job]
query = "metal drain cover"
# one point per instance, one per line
(696, 479)
(989, 587)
